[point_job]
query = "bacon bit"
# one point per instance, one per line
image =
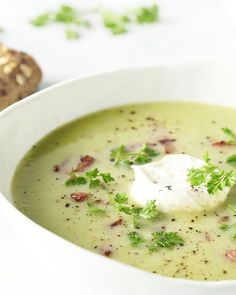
(207, 237)
(168, 145)
(117, 222)
(223, 219)
(107, 253)
(231, 255)
(56, 168)
(85, 162)
(220, 143)
(79, 196)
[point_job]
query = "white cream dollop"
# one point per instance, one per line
(166, 182)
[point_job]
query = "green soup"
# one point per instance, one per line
(93, 222)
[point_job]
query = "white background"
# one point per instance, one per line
(187, 29)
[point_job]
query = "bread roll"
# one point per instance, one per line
(19, 76)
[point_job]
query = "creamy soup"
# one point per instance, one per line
(77, 182)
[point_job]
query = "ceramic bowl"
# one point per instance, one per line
(41, 262)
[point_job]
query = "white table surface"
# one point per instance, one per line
(188, 29)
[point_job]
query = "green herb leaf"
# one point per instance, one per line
(94, 209)
(149, 210)
(107, 178)
(224, 227)
(42, 20)
(165, 240)
(211, 176)
(67, 14)
(92, 173)
(231, 160)
(95, 183)
(147, 14)
(135, 238)
(121, 198)
(93, 177)
(71, 34)
(116, 23)
(233, 236)
(123, 157)
(231, 134)
(76, 180)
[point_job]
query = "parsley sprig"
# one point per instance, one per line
(120, 202)
(231, 160)
(230, 134)
(147, 14)
(124, 157)
(66, 15)
(94, 178)
(163, 239)
(211, 176)
(94, 209)
(115, 22)
(135, 238)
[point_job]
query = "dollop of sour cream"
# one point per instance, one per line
(166, 182)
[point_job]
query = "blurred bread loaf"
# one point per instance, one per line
(19, 76)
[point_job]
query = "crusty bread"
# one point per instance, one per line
(19, 76)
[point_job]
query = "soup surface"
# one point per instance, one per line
(86, 215)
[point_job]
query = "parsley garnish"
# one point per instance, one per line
(76, 180)
(123, 157)
(147, 14)
(116, 23)
(224, 227)
(94, 209)
(211, 176)
(71, 34)
(120, 202)
(231, 134)
(94, 177)
(135, 238)
(165, 240)
(42, 20)
(65, 15)
(231, 160)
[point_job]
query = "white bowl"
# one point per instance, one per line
(46, 263)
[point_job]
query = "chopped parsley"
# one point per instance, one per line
(135, 238)
(116, 23)
(231, 160)
(120, 202)
(163, 239)
(76, 180)
(230, 134)
(123, 157)
(65, 15)
(149, 210)
(71, 34)
(94, 177)
(94, 209)
(42, 20)
(224, 227)
(147, 14)
(211, 176)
